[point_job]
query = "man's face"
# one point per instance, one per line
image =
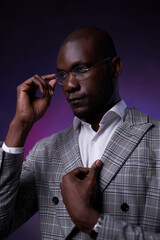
(88, 98)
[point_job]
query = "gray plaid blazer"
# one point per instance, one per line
(128, 188)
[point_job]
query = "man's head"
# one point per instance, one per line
(92, 93)
(102, 42)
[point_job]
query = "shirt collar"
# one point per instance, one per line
(119, 109)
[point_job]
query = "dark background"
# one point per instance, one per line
(30, 36)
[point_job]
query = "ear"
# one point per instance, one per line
(116, 66)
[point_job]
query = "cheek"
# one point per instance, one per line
(94, 87)
(100, 92)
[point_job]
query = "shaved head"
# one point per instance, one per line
(97, 90)
(102, 42)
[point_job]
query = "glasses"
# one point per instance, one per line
(80, 72)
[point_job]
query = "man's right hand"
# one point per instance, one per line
(29, 107)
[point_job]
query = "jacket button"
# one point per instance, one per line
(124, 207)
(55, 200)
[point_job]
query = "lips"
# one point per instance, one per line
(76, 99)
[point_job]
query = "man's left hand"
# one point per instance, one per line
(78, 192)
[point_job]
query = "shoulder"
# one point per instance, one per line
(142, 122)
(136, 117)
(52, 142)
(56, 136)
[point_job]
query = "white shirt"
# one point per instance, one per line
(92, 144)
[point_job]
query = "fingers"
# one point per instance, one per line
(50, 80)
(45, 83)
(97, 164)
(49, 76)
(76, 174)
(52, 84)
(96, 168)
(81, 173)
(77, 170)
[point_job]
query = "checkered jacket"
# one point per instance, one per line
(128, 188)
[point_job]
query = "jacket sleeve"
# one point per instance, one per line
(120, 230)
(17, 192)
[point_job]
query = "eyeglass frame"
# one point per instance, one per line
(86, 70)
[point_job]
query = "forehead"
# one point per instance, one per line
(77, 51)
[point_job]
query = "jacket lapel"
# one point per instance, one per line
(123, 142)
(70, 153)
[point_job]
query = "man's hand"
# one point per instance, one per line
(29, 107)
(78, 192)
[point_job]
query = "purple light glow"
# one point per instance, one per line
(31, 36)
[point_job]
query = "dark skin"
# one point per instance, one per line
(29, 109)
(78, 192)
(89, 99)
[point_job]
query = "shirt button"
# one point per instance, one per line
(124, 207)
(55, 200)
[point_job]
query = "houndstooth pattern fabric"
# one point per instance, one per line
(128, 188)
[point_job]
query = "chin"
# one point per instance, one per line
(84, 115)
(81, 114)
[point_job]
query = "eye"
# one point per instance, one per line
(62, 75)
(80, 69)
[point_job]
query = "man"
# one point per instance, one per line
(79, 196)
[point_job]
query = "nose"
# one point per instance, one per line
(71, 83)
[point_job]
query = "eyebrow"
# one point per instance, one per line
(73, 66)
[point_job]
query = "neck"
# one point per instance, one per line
(95, 119)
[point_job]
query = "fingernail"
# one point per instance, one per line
(51, 92)
(98, 163)
(44, 91)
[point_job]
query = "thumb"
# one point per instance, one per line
(52, 83)
(96, 168)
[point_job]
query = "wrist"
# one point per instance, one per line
(17, 133)
(85, 220)
(96, 228)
